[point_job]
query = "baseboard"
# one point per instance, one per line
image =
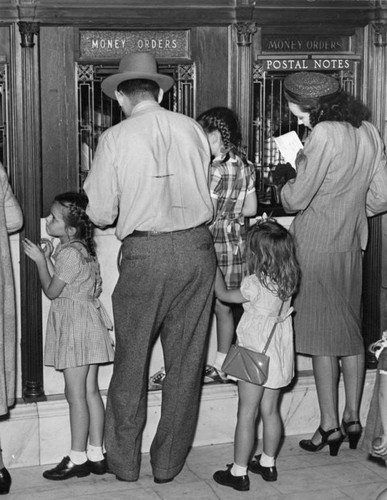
(39, 434)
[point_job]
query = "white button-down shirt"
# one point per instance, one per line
(150, 171)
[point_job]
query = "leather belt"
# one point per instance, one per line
(160, 233)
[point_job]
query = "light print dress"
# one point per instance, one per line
(260, 313)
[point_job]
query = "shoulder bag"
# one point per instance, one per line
(250, 366)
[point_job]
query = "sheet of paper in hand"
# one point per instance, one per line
(289, 144)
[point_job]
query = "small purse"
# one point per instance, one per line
(250, 366)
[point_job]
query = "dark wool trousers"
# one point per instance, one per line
(165, 287)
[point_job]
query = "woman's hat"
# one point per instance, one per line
(133, 66)
(311, 84)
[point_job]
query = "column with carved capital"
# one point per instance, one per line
(375, 256)
(27, 152)
(378, 50)
(244, 79)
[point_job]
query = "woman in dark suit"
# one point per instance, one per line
(341, 179)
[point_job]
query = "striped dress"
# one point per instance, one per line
(341, 178)
(77, 326)
(230, 183)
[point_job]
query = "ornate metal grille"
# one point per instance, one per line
(272, 118)
(4, 117)
(96, 112)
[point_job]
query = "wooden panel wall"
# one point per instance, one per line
(210, 53)
(59, 121)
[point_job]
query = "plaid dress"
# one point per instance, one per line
(78, 324)
(230, 182)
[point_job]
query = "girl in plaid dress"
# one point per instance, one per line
(232, 187)
(77, 338)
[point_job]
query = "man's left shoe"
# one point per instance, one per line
(224, 477)
(99, 467)
(66, 469)
(163, 481)
(267, 473)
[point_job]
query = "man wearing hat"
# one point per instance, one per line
(149, 175)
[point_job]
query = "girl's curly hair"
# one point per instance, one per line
(271, 256)
(75, 216)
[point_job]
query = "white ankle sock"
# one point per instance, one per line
(219, 358)
(238, 470)
(267, 461)
(95, 453)
(78, 457)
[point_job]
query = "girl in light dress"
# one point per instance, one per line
(266, 295)
(232, 188)
(77, 336)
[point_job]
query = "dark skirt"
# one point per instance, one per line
(327, 320)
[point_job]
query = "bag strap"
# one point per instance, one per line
(272, 330)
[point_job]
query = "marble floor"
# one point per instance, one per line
(302, 476)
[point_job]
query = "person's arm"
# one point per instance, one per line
(101, 184)
(381, 447)
(13, 212)
(376, 198)
(312, 164)
(214, 205)
(225, 295)
(52, 285)
(250, 205)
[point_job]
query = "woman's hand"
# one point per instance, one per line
(34, 252)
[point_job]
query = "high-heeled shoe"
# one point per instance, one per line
(5, 481)
(334, 444)
(353, 436)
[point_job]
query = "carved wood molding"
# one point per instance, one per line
(164, 13)
(244, 56)
(245, 32)
(28, 30)
(380, 32)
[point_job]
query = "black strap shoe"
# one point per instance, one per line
(224, 477)
(5, 481)
(267, 473)
(66, 469)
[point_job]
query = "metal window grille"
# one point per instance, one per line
(4, 117)
(96, 112)
(272, 118)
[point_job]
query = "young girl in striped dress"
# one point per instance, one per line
(77, 336)
(232, 187)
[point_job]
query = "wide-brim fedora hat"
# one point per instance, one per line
(137, 65)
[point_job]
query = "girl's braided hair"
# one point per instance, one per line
(76, 217)
(225, 121)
